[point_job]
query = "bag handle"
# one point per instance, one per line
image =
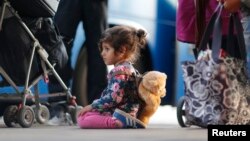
(217, 35)
(209, 28)
(214, 28)
(236, 24)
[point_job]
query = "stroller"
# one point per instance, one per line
(27, 108)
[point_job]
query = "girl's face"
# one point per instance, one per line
(109, 56)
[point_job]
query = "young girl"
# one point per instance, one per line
(119, 46)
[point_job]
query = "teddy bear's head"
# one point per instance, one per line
(151, 89)
(153, 83)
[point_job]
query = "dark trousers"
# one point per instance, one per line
(93, 14)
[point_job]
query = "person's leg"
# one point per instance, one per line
(95, 120)
(95, 22)
(246, 28)
(67, 18)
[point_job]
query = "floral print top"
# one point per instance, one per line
(117, 93)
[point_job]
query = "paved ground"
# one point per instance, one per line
(163, 127)
(73, 133)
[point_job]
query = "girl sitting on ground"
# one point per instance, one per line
(119, 46)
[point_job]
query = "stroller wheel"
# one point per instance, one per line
(181, 112)
(9, 116)
(26, 116)
(42, 114)
(74, 110)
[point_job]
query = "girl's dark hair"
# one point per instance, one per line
(125, 36)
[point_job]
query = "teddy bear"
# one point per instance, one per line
(151, 89)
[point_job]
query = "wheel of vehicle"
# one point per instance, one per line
(26, 116)
(42, 114)
(79, 87)
(181, 112)
(74, 110)
(9, 116)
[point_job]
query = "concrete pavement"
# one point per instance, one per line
(154, 132)
(163, 126)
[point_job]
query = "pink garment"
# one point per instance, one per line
(95, 120)
(185, 20)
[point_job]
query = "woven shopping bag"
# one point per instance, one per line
(216, 84)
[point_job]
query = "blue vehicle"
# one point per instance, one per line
(157, 17)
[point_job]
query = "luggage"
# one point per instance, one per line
(217, 85)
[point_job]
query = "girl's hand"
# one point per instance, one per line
(84, 110)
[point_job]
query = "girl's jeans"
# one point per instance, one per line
(246, 27)
(96, 120)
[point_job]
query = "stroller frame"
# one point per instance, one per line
(23, 114)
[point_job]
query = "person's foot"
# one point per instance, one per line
(65, 119)
(56, 121)
(127, 120)
(59, 116)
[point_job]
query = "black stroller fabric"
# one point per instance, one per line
(16, 46)
(15, 51)
(35, 8)
(48, 36)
